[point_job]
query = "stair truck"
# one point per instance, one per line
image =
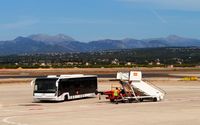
(134, 89)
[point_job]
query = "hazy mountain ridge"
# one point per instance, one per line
(41, 43)
(51, 39)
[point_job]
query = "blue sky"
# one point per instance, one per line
(87, 20)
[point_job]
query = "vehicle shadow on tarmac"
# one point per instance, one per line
(70, 100)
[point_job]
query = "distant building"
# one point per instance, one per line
(42, 64)
(115, 61)
(70, 63)
(151, 63)
(87, 64)
(157, 63)
(128, 63)
(170, 66)
(179, 62)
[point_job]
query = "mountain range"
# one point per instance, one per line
(41, 43)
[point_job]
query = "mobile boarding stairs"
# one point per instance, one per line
(134, 89)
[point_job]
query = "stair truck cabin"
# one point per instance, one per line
(64, 87)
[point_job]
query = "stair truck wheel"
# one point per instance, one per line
(141, 100)
(112, 100)
(130, 100)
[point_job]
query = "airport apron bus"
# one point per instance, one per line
(64, 87)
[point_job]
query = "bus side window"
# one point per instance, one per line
(77, 87)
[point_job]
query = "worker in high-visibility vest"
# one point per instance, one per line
(116, 95)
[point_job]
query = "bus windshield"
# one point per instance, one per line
(46, 85)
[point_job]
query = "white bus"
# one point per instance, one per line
(64, 87)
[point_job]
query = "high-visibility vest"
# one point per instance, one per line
(116, 92)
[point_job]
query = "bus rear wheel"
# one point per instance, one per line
(155, 99)
(66, 98)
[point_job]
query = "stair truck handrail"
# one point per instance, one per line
(157, 87)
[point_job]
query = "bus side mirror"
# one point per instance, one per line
(56, 84)
(32, 82)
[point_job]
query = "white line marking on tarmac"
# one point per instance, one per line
(7, 121)
(7, 110)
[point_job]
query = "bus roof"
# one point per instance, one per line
(70, 76)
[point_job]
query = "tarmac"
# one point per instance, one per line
(181, 106)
